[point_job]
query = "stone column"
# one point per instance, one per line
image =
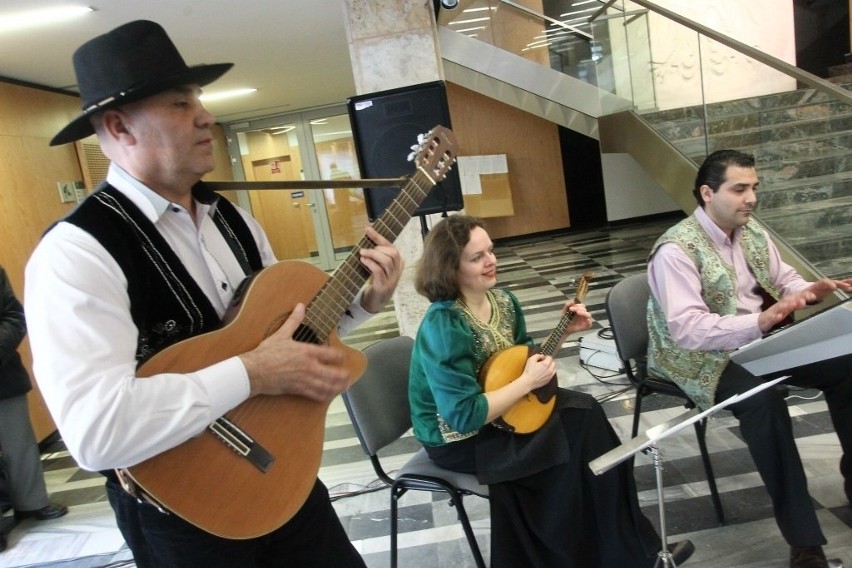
(392, 44)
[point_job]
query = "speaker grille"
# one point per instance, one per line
(385, 126)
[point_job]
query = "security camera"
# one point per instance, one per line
(449, 4)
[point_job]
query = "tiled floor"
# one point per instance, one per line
(540, 270)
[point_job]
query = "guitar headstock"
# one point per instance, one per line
(583, 286)
(435, 152)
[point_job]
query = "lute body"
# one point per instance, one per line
(533, 410)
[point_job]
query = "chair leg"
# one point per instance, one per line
(700, 432)
(456, 500)
(637, 410)
(393, 522)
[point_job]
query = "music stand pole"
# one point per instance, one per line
(664, 556)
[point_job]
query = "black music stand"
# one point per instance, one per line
(647, 442)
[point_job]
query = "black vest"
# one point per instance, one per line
(166, 304)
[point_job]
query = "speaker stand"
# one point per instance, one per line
(424, 229)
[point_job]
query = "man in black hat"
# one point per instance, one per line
(154, 257)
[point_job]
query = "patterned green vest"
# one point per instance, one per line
(697, 372)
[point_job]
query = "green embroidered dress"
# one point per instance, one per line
(547, 506)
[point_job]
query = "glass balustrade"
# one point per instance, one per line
(702, 94)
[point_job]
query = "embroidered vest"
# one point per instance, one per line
(697, 372)
(166, 304)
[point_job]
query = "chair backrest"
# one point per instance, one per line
(626, 307)
(378, 402)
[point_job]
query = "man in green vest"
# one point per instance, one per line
(712, 277)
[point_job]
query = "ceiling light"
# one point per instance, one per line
(219, 95)
(281, 129)
(41, 17)
(469, 21)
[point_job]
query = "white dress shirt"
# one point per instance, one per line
(84, 340)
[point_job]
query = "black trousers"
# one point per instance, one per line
(314, 537)
(565, 516)
(768, 431)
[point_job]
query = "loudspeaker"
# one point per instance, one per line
(385, 126)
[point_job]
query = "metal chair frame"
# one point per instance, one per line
(378, 407)
(626, 306)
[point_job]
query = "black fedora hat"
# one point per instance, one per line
(133, 61)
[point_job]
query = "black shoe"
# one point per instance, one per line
(2, 542)
(52, 511)
(681, 551)
(810, 557)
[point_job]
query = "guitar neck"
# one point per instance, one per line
(334, 298)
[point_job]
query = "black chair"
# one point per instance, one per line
(626, 307)
(378, 407)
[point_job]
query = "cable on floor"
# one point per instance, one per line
(336, 492)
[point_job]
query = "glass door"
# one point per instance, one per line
(315, 225)
(272, 154)
(346, 210)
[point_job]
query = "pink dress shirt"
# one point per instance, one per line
(676, 284)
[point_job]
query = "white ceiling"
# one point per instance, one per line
(295, 52)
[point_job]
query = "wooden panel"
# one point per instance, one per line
(29, 198)
(484, 126)
(495, 199)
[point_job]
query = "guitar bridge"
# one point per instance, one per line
(243, 444)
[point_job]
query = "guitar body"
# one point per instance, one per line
(205, 482)
(530, 412)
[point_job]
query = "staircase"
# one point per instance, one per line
(801, 141)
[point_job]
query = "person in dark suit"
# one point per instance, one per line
(20, 457)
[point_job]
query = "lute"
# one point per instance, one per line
(251, 470)
(532, 411)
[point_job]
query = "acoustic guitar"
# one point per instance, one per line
(251, 470)
(532, 411)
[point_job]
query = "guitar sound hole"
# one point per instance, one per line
(306, 335)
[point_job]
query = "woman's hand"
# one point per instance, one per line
(582, 318)
(538, 371)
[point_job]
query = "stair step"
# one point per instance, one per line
(797, 191)
(750, 105)
(801, 141)
(778, 124)
(823, 248)
(842, 69)
(804, 218)
(769, 146)
(836, 268)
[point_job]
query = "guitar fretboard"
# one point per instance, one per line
(335, 297)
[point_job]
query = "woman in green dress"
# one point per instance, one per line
(548, 509)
